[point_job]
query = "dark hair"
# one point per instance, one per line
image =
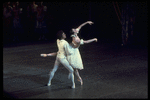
(59, 34)
(71, 32)
(69, 35)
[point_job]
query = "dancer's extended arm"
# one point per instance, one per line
(89, 41)
(55, 53)
(88, 22)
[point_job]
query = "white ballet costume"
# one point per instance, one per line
(74, 58)
(63, 47)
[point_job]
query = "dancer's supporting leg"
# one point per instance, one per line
(53, 71)
(79, 77)
(66, 65)
(70, 69)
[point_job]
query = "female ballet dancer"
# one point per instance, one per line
(74, 58)
(63, 47)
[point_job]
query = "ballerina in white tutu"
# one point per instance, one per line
(75, 59)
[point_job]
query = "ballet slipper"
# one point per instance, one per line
(48, 84)
(80, 80)
(73, 87)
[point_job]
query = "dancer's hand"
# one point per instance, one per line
(95, 39)
(90, 22)
(44, 55)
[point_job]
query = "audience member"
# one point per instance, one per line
(31, 18)
(40, 21)
(17, 27)
(7, 21)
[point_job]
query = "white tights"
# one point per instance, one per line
(66, 64)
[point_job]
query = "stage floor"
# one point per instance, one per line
(109, 72)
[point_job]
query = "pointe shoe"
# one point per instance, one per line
(48, 84)
(80, 80)
(73, 87)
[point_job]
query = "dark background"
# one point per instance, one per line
(119, 73)
(66, 15)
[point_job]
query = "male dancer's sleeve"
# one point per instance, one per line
(68, 48)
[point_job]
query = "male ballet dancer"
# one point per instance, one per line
(63, 47)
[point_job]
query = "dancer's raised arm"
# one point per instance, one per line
(78, 29)
(88, 22)
(89, 41)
